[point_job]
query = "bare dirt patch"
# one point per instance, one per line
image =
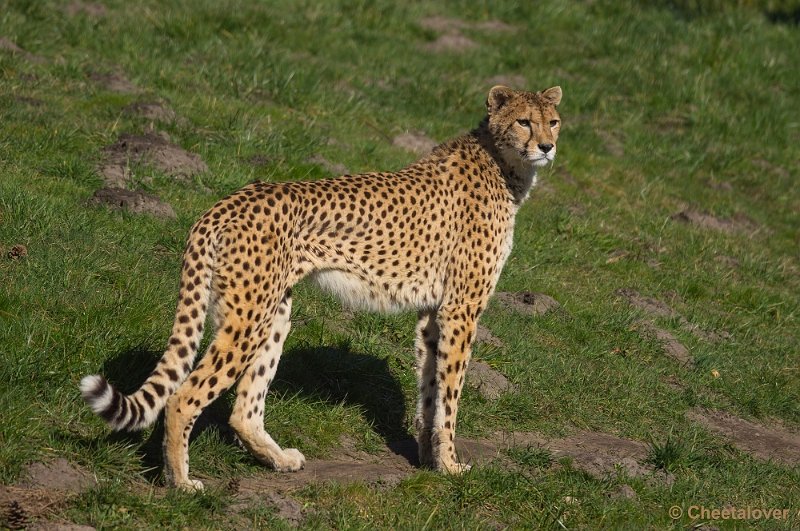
(490, 383)
(9, 46)
(598, 454)
(484, 335)
(154, 111)
(704, 220)
(336, 168)
(152, 149)
(42, 489)
(113, 81)
(17, 252)
(417, 143)
(655, 308)
(89, 9)
(527, 302)
(259, 160)
(135, 202)
(453, 42)
(669, 343)
(772, 442)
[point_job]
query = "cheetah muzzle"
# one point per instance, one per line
(432, 237)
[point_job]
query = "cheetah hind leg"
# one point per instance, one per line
(247, 418)
(426, 347)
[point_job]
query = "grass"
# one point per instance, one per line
(661, 105)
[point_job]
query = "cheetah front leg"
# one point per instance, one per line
(248, 412)
(426, 347)
(456, 333)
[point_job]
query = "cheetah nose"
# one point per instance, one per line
(545, 147)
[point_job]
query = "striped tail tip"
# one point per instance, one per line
(103, 399)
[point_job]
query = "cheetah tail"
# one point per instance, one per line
(140, 409)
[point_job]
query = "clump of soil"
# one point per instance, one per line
(772, 442)
(336, 168)
(43, 488)
(7, 45)
(135, 202)
(416, 143)
(527, 302)
(114, 82)
(484, 335)
(649, 305)
(153, 111)
(17, 251)
(450, 37)
(738, 223)
(487, 381)
(259, 160)
(151, 149)
(624, 492)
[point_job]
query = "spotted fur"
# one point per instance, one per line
(432, 237)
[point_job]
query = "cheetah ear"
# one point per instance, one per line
(553, 95)
(498, 96)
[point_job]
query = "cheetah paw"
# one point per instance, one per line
(455, 468)
(293, 460)
(190, 485)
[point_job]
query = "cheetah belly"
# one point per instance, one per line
(360, 294)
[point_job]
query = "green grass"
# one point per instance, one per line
(660, 103)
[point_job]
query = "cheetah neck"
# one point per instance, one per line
(519, 175)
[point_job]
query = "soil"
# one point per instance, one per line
(727, 261)
(336, 168)
(152, 149)
(153, 111)
(417, 143)
(259, 160)
(484, 335)
(89, 9)
(135, 202)
(669, 343)
(43, 488)
(625, 492)
(114, 82)
(7, 45)
(738, 223)
(527, 302)
(487, 381)
(648, 305)
(453, 42)
(772, 442)
(17, 251)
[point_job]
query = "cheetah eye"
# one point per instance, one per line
(524, 123)
(553, 123)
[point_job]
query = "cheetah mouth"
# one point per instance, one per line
(541, 160)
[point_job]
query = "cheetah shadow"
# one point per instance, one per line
(329, 374)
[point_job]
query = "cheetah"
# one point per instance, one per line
(432, 237)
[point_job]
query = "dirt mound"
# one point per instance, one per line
(7, 45)
(450, 37)
(336, 168)
(17, 251)
(150, 149)
(487, 381)
(655, 308)
(153, 111)
(416, 143)
(527, 302)
(114, 82)
(764, 442)
(484, 335)
(259, 160)
(43, 488)
(669, 343)
(738, 223)
(135, 202)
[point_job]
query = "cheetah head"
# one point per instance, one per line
(524, 125)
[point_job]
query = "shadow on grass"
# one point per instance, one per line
(328, 374)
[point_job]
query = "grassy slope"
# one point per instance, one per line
(688, 101)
